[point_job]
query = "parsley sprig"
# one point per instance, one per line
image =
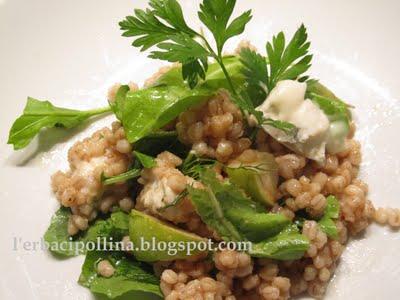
(163, 26)
(282, 62)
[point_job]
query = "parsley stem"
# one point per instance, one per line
(218, 59)
(228, 78)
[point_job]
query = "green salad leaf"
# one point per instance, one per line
(289, 244)
(337, 111)
(215, 77)
(118, 105)
(146, 160)
(60, 243)
(327, 223)
(57, 234)
(211, 212)
(130, 276)
(115, 227)
(333, 108)
(42, 114)
(235, 217)
(248, 217)
(147, 110)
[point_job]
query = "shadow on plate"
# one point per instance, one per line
(45, 141)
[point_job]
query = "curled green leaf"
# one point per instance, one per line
(42, 114)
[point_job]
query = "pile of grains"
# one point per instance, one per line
(214, 129)
(105, 152)
(304, 185)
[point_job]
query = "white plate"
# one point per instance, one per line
(71, 51)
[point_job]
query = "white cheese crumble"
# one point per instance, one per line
(286, 103)
(162, 185)
(157, 194)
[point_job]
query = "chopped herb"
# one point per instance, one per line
(176, 201)
(193, 165)
(133, 173)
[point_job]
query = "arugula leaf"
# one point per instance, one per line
(248, 217)
(327, 223)
(42, 114)
(145, 111)
(117, 105)
(333, 109)
(115, 227)
(225, 209)
(129, 276)
(288, 62)
(130, 174)
(146, 160)
(60, 243)
(215, 77)
(210, 211)
(57, 234)
(289, 244)
(215, 14)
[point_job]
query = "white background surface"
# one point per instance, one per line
(71, 51)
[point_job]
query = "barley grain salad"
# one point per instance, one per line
(226, 176)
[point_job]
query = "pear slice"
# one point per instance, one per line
(155, 240)
(258, 177)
